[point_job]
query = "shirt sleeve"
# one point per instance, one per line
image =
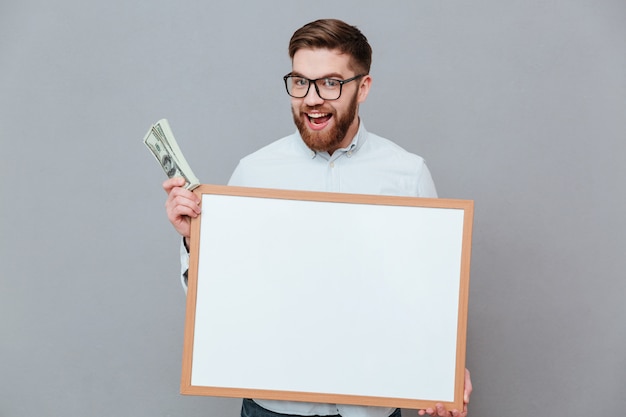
(184, 264)
(237, 176)
(425, 185)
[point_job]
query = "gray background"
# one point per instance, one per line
(518, 105)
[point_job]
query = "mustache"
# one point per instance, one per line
(317, 107)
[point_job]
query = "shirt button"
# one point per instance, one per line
(332, 164)
(349, 153)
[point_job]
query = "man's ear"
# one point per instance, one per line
(364, 88)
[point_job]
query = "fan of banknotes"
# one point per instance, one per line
(161, 142)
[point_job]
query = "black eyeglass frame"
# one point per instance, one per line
(317, 89)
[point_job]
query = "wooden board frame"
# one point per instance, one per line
(215, 332)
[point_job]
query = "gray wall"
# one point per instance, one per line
(518, 105)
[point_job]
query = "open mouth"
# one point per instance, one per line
(318, 121)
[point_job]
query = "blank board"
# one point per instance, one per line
(328, 297)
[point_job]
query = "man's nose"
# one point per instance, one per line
(312, 98)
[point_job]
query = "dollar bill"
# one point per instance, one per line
(163, 146)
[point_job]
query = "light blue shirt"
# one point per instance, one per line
(369, 165)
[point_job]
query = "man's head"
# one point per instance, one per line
(336, 35)
(329, 51)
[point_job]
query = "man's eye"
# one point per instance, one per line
(331, 83)
(300, 82)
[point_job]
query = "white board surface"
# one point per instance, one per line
(326, 297)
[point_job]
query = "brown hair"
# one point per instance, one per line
(334, 34)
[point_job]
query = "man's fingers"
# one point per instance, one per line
(467, 392)
(181, 196)
(185, 202)
(173, 182)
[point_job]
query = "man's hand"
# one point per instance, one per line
(181, 206)
(441, 411)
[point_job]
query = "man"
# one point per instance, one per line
(331, 151)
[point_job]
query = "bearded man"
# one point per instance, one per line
(331, 151)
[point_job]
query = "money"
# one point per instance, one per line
(161, 142)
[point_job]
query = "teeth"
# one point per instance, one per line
(317, 115)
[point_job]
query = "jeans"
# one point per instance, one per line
(251, 409)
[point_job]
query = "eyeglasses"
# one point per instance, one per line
(327, 88)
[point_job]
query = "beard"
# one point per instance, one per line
(326, 140)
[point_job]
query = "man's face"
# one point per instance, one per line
(327, 125)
